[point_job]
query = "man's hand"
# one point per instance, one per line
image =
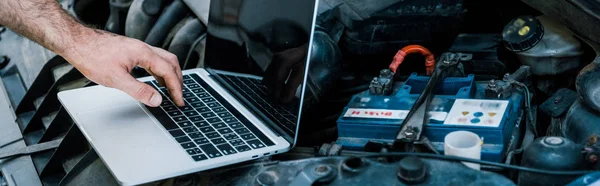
(285, 73)
(104, 58)
(108, 59)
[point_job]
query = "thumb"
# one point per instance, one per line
(139, 91)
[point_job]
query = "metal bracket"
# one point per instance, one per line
(30, 149)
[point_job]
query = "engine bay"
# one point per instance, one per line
(398, 93)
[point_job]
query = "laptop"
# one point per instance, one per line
(229, 117)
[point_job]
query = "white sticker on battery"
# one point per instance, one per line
(477, 112)
(388, 114)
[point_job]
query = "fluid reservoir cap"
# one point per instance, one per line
(412, 170)
(522, 33)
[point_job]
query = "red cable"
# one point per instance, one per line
(411, 49)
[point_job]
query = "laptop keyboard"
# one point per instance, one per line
(208, 126)
(253, 90)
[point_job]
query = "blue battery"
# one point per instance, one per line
(459, 104)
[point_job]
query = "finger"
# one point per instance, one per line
(170, 57)
(163, 69)
(160, 80)
(138, 90)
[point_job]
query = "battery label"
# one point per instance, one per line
(477, 112)
(388, 114)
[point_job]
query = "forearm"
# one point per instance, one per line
(44, 22)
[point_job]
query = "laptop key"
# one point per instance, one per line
(229, 120)
(236, 142)
(190, 129)
(198, 105)
(176, 133)
(170, 108)
(207, 129)
(226, 149)
(201, 141)
(217, 141)
(188, 145)
(196, 119)
(248, 136)
(225, 131)
(235, 125)
(195, 135)
(192, 86)
(213, 120)
(185, 90)
(183, 139)
(219, 125)
(213, 104)
(207, 100)
(242, 131)
(197, 91)
(199, 157)
(189, 81)
(201, 124)
(191, 113)
(203, 95)
(219, 109)
(188, 95)
(186, 108)
(243, 148)
(256, 144)
(166, 103)
(230, 136)
(208, 115)
(192, 100)
(224, 114)
(203, 109)
(179, 119)
(187, 77)
(185, 124)
(210, 151)
(192, 151)
(212, 135)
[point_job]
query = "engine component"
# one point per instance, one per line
(118, 15)
(551, 153)
(486, 54)
(384, 26)
(556, 107)
(184, 39)
(581, 123)
(548, 47)
(587, 84)
(176, 11)
(358, 171)
(458, 104)
(141, 17)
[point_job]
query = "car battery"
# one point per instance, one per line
(459, 103)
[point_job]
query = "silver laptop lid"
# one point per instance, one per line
(269, 41)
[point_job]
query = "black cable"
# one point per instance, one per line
(456, 158)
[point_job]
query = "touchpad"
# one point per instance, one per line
(126, 124)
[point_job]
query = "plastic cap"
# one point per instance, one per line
(412, 170)
(522, 33)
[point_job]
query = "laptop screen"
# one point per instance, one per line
(259, 49)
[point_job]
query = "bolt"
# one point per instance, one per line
(446, 62)
(593, 158)
(506, 76)
(409, 134)
(558, 99)
(492, 83)
(322, 169)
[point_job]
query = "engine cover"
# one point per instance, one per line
(459, 104)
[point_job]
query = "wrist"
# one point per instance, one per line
(78, 41)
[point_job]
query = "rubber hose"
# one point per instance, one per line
(118, 16)
(184, 39)
(141, 17)
(414, 49)
(173, 13)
